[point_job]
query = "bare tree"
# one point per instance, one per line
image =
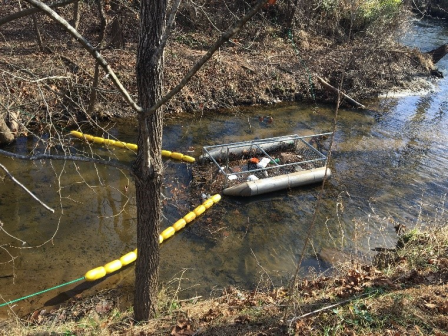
(148, 167)
(155, 26)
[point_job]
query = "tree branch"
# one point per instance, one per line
(327, 307)
(168, 30)
(30, 11)
(72, 31)
(332, 88)
(24, 188)
(224, 37)
(65, 157)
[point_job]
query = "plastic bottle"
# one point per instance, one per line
(263, 163)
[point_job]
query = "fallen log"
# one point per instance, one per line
(438, 53)
(332, 88)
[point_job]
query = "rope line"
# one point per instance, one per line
(43, 291)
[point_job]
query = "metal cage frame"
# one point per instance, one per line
(222, 152)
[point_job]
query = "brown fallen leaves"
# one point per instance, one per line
(355, 281)
(183, 327)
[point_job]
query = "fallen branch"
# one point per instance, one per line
(65, 158)
(327, 307)
(24, 188)
(438, 53)
(332, 88)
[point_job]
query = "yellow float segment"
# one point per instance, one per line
(166, 153)
(131, 146)
(177, 156)
(76, 134)
(188, 159)
(128, 258)
(208, 203)
(216, 198)
(98, 140)
(88, 137)
(179, 225)
(95, 274)
(168, 232)
(120, 144)
(199, 210)
(189, 217)
(113, 266)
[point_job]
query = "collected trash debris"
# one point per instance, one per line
(259, 166)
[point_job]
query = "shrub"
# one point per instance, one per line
(349, 17)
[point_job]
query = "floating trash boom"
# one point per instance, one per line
(131, 146)
(113, 266)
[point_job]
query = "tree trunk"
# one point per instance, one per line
(103, 22)
(148, 168)
(76, 15)
(94, 88)
(117, 40)
(37, 31)
(289, 21)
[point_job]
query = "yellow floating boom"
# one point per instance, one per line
(115, 265)
(134, 147)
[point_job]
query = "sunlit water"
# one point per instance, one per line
(389, 165)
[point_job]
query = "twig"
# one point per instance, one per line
(24, 188)
(34, 80)
(63, 157)
(72, 31)
(332, 88)
(30, 11)
(248, 69)
(326, 308)
(259, 265)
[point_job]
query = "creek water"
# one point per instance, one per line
(389, 165)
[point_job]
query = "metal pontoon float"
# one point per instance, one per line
(260, 166)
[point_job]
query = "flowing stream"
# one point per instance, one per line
(389, 165)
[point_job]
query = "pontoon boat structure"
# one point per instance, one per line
(264, 165)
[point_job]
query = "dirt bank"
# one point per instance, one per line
(261, 66)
